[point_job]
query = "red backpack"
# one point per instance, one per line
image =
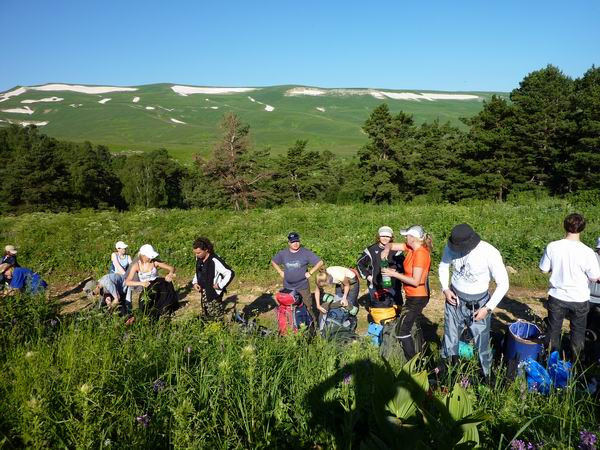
(287, 301)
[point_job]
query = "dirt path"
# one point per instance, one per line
(256, 301)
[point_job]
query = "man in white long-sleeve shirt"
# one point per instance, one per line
(468, 303)
(573, 265)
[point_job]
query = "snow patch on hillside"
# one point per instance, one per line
(104, 100)
(7, 95)
(184, 91)
(82, 89)
(26, 110)
(305, 91)
(166, 109)
(48, 99)
(135, 99)
(251, 99)
(177, 121)
(269, 108)
(380, 95)
(37, 124)
(319, 108)
(73, 105)
(150, 107)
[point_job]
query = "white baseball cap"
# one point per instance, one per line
(10, 249)
(386, 232)
(120, 244)
(148, 251)
(414, 231)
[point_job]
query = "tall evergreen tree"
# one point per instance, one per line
(542, 124)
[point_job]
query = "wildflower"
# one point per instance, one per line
(107, 442)
(29, 354)
(158, 386)
(188, 349)
(436, 370)
(14, 321)
(144, 419)
(347, 378)
(34, 404)
(464, 382)
(587, 440)
(518, 444)
(248, 350)
(53, 322)
(85, 388)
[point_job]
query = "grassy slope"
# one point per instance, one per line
(127, 126)
(67, 247)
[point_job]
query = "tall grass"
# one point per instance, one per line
(65, 247)
(90, 381)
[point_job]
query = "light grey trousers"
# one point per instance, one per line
(456, 318)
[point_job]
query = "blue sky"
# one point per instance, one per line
(436, 45)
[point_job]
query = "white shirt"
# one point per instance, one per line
(338, 274)
(472, 273)
(573, 264)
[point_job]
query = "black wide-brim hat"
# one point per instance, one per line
(463, 238)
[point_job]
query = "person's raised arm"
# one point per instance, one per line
(167, 267)
(392, 246)
(116, 264)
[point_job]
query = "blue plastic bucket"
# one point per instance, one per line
(519, 344)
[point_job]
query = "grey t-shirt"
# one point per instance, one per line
(295, 266)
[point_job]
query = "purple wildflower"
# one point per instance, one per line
(518, 444)
(464, 382)
(158, 386)
(144, 419)
(347, 378)
(436, 370)
(53, 322)
(14, 321)
(587, 440)
(188, 349)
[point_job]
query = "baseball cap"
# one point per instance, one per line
(148, 250)
(120, 244)
(10, 249)
(414, 231)
(385, 231)
(293, 237)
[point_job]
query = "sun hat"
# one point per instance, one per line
(10, 249)
(385, 231)
(120, 244)
(463, 238)
(598, 243)
(148, 250)
(293, 237)
(414, 231)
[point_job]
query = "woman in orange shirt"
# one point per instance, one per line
(415, 280)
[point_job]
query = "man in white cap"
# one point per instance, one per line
(468, 303)
(10, 259)
(572, 265)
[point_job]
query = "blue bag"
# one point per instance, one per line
(374, 331)
(559, 370)
(538, 379)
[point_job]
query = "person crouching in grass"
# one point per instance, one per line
(22, 279)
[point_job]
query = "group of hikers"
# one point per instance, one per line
(396, 274)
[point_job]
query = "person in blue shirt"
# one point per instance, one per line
(22, 279)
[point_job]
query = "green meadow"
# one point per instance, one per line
(128, 127)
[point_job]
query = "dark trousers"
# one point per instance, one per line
(411, 312)
(307, 300)
(577, 313)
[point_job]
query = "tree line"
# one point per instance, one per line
(544, 139)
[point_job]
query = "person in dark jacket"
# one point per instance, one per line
(212, 277)
(369, 265)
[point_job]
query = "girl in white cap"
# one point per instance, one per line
(120, 260)
(147, 267)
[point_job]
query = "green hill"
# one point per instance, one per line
(331, 120)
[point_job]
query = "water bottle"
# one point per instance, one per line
(386, 280)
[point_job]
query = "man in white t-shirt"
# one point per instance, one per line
(572, 265)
